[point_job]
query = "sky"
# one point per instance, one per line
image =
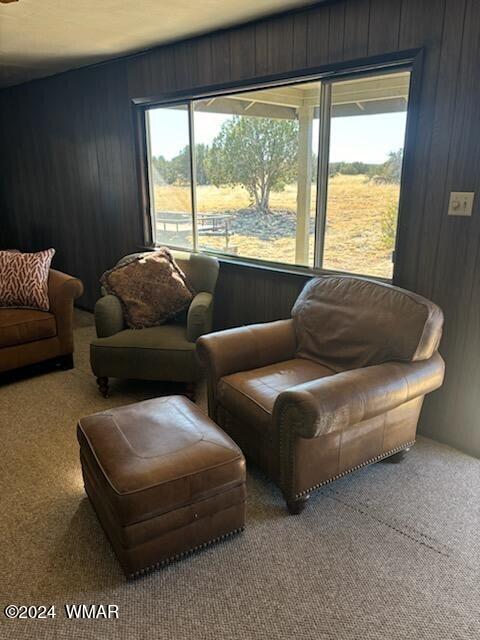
(359, 138)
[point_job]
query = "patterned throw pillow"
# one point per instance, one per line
(24, 279)
(151, 287)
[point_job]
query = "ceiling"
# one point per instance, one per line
(41, 38)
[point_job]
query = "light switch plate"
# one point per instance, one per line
(461, 203)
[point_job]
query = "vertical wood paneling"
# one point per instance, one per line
(280, 45)
(76, 156)
(336, 32)
(202, 56)
(436, 186)
(242, 51)
(140, 76)
(300, 24)
(317, 37)
(455, 277)
(220, 43)
(384, 26)
(163, 79)
(68, 171)
(261, 49)
(412, 35)
(262, 299)
(184, 56)
(355, 41)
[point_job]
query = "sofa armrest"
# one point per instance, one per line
(62, 287)
(109, 317)
(199, 317)
(62, 291)
(336, 402)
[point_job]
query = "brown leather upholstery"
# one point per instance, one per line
(28, 336)
(250, 395)
(346, 323)
(350, 397)
(18, 326)
(306, 423)
(163, 479)
(245, 348)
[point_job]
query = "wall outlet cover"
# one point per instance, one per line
(461, 203)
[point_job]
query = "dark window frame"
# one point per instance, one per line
(411, 59)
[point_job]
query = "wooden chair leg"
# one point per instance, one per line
(297, 505)
(102, 382)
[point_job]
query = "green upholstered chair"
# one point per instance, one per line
(166, 352)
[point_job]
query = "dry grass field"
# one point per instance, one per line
(353, 242)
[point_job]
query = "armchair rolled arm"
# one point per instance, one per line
(244, 348)
(199, 317)
(108, 316)
(62, 291)
(336, 402)
(241, 349)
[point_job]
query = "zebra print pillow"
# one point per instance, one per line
(24, 279)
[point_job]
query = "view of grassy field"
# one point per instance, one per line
(354, 240)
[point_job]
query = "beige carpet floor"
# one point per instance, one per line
(390, 552)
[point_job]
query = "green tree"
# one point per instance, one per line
(160, 171)
(202, 152)
(258, 153)
(179, 168)
(391, 170)
(388, 223)
(353, 168)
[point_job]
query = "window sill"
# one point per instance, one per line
(272, 267)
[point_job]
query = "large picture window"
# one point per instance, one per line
(303, 173)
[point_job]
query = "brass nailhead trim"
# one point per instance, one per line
(387, 454)
(181, 554)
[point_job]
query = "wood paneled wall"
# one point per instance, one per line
(67, 170)
(68, 175)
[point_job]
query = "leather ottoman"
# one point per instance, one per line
(163, 479)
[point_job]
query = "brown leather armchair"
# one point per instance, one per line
(28, 336)
(335, 388)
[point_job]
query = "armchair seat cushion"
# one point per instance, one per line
(171, 337)
(18, 326)
(250, 395)
(155, 353)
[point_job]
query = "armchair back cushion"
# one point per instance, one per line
(201, 270)
(345, 322)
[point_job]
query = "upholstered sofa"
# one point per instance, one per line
(336, 387)
(164, 353)
(28, 336)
